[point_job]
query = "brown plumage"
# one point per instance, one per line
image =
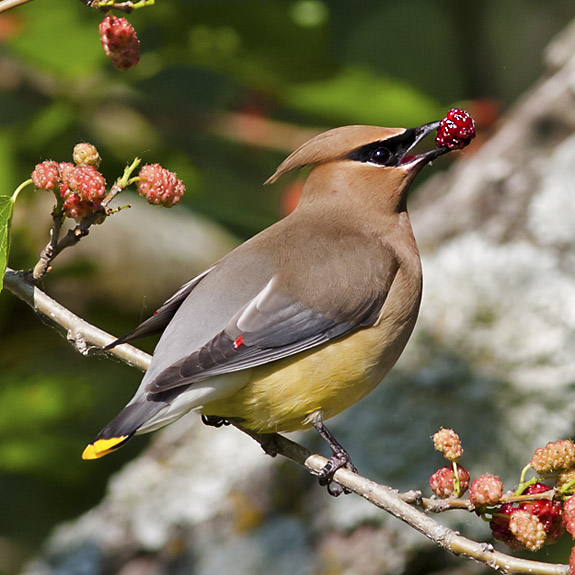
(307, 317)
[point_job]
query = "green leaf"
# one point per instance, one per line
(6, 210)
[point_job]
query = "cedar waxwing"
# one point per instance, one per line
(302, 320)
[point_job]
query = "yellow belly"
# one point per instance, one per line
(281, 395)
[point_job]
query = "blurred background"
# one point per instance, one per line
(223, 92)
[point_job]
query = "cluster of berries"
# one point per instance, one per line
(451, 480)
(456, 130)
(528, 524)
(80, 188)
(120, 42)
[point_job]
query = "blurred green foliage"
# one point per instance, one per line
(305, 63)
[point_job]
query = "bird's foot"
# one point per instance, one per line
(214, 420)
(340, 459)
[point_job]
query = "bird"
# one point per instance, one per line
(305, 318)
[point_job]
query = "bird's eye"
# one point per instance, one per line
(380, 156)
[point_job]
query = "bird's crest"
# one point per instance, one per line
(332, 145)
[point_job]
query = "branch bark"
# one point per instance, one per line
(88, 339)
(8, 4)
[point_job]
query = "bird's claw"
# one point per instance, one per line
(339, 460)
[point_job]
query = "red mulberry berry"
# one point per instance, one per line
(447, 442)
(456, 130)
(120, 42)
(442, 482)
(159, 186)
(555, 456)
(46, 176)
(486, 490)
(86, 155)
(548, 513)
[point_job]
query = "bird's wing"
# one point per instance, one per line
(270, 327)
(162, 316)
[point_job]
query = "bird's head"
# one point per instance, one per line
(373, 145)
(362, 158)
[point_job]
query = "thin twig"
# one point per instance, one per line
(127, 7)
(73, 236)
(85, 336)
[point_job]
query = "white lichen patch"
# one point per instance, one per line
(551, 213)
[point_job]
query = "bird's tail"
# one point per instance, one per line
(121, 428)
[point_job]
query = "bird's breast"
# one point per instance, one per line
(330, 378)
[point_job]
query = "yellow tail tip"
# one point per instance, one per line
(102, 447)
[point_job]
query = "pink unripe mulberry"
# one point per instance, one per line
(569, 515)
(572, 562)
(87, 183)
(83, 189)
(528, 530)
(120, 42)
(446, 441)
(86, 154)
(76, 208)
(46, 175)
(159, 186)
(443, 482)
(555, 456)
(486, 490)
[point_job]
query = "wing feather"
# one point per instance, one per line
(163, 315)
(271, 326)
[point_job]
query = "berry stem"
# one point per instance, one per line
(121, 184)
(456, 482)
(19, 189)
(523, 485)
(126, 179)
(568, 487)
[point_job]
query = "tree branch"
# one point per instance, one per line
(393, 503)
(8, 4)
(87, 339)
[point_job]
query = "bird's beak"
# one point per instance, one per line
(410, 138)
